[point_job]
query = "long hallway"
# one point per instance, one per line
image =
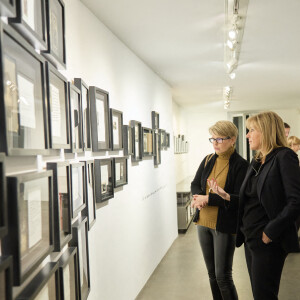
(181, 275)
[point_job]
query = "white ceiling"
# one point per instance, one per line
(183, 42)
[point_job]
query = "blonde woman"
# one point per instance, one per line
(269, 205)
(216, 215)
(294, 143)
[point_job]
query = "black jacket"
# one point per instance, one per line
(278, 190)
(227, 215)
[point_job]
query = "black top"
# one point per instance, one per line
(227, 215)
(255, 218)
(278, 192)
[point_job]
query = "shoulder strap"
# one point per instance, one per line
(208, 158)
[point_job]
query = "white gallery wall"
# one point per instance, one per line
(198, 123)
(180, 127)
(134, 230)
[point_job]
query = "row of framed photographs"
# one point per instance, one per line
(67, 278)
(43, 206)
(180, 145)
(41, 23)
(41, 110)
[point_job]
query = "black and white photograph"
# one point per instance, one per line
(30, 230)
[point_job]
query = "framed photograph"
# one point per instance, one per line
(23, 120)
(162, 138)
(157, 148)
(61, 203)
(45, 285)
(167, 140)
(77, 188)
(147, 141)
(8, 8)
(136, 141)
(100, 119)
(68, 274)
(75, 119)
(104, 176)
(30, 21)
(86, 118)
(116, 119)
(30, 226)
(120, 171)
(155, 119)
(127, 140)
(80, 240)
(58, 109)
(6, 281)
(55, 19)
(89, 181)
(3, 198)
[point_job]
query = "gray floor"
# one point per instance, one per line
(182, 274)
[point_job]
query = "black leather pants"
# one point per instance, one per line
(218, 249)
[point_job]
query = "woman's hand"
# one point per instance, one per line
(213, 185)
(199, 201)
(266, 239)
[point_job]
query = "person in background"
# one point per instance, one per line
(294, 143)
(216, 214)
(287, 129)
(269, 205)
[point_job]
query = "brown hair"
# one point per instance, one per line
(272, 129)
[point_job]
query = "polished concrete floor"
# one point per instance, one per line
(182, 274)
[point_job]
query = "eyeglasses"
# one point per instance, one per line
(219, 140)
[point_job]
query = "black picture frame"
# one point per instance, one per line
(30, 222)
(8, 8)
(78, 196)
(61, 203)
(101, 137)
(44, 284)
(127, 140)
(167, 140)
(157, 148)
(120, 171)
(116, 125)
(55, 18)
(75, 112)
(104, 179)
(68, 274)
(155, 119)
(30, 21)
(23, 124)
(86, 117)
(147, 141)
(80, 240)
(90, 210)
(3, 198)
(136, 141)
(6, 278)
(58, 109)
(163, 138)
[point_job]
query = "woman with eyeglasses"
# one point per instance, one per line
(215, 190)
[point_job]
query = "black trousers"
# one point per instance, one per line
(218, 249)
(265, 263)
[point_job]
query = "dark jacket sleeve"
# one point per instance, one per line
(289, 170)
(238, 178)
(196, 187)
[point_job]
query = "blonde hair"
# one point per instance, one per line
(293, 140)
(272, 129)
(224, 128)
